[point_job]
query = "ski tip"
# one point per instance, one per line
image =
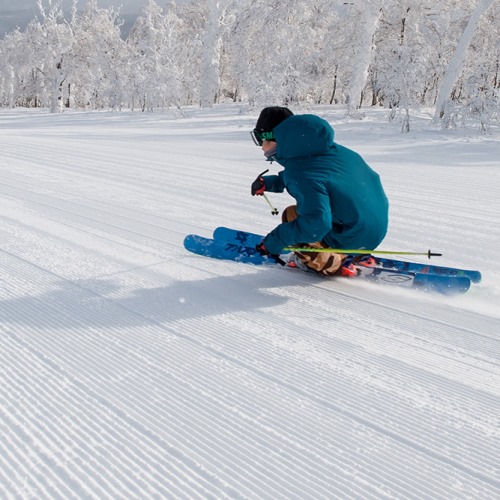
(443, 285)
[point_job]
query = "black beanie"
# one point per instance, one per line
(271, 117)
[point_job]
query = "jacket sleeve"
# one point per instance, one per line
(275, 183)
(312, 224)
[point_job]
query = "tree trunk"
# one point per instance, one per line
(334, 90)
(56, 103)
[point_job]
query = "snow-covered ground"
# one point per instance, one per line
(130, 368)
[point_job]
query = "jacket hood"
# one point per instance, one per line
(303, 136)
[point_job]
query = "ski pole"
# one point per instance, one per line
(274, 210)
(429, 254)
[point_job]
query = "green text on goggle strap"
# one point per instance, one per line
(267, 136)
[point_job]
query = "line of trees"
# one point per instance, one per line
(400, 54)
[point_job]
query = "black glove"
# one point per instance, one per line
(259, 185)
(261, 248)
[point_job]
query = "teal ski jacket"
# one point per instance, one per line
(340, 199)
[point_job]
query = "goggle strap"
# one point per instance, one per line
(267, 136)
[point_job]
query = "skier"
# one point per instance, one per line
(340, 201)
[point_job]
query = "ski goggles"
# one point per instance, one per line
(259, 137)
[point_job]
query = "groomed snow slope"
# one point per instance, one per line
(132, 369)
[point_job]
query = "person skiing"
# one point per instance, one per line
(340, 201)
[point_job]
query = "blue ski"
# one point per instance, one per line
(250, 240)
(447, 285)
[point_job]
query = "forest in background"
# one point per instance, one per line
(402, 55)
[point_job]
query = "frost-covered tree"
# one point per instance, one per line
(147, 56)
(400, 64)
(443, 112)
(480, 82)
(97, 58)
(334, 61)
(58, 62)
(212, 51)
(51, 41)
(273, 51)
(370, 12)
(11, 72)
(192, 18)
(401, 54)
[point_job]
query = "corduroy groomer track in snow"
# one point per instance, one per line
(131, 368)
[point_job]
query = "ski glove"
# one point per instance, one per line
(259, 185)
(261, 248)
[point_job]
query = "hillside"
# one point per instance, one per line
(130, 368)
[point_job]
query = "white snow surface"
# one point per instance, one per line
(130, 368)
